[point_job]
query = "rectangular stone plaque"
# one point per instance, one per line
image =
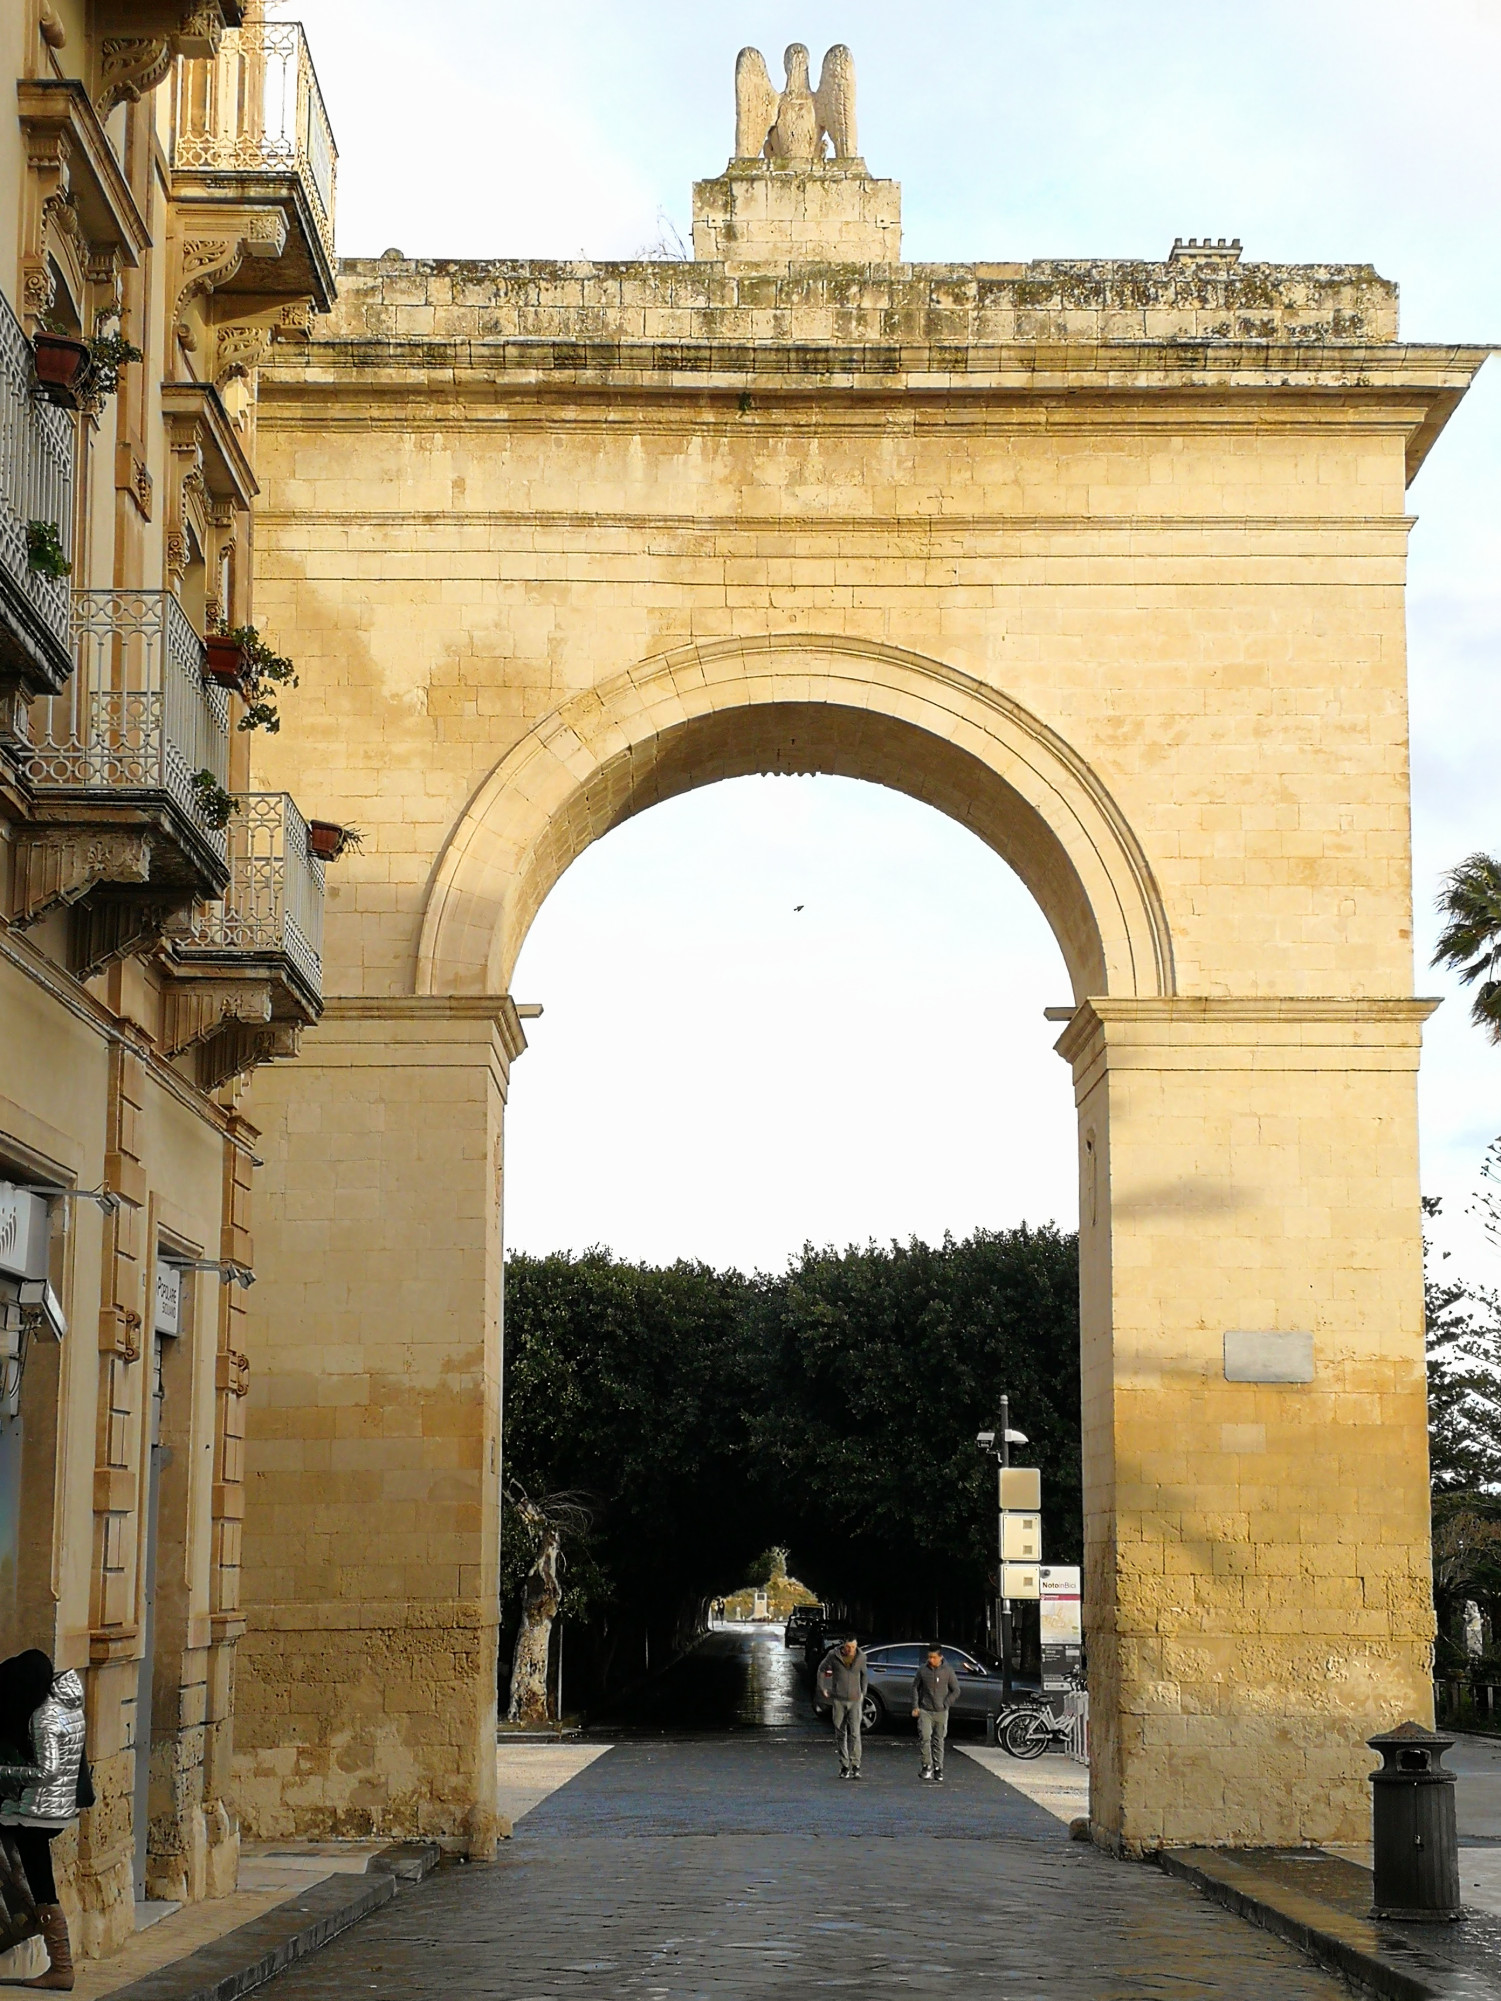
(1268, 1358)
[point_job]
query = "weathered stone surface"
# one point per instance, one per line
(1105, 559)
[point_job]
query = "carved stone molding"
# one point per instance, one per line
(198, 1009)
(295, 321)
(240, 350)
(132, 476)
(107, 928)
(208, 479)
(201, 32)
(58, 865)
(77, 206)
(208, 257)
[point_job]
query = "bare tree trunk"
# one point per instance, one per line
(541, 1596)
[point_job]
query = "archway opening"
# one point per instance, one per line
(720, 1077)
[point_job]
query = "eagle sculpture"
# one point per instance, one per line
(790, 126)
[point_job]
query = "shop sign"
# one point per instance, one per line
(168, 1298)
(23, 1232)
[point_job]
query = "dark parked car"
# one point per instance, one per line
(889, 1695)
(803, 1622)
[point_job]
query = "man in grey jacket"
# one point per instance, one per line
(842, 1681)
(935, 1690)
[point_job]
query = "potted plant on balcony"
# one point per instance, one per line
(216, 807)
(258, 671)
(223, 660)
(108, 354)
(44, 551)
(61, 361)
(327, 840)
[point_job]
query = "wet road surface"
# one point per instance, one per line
(738, 1677)
(729, 1860)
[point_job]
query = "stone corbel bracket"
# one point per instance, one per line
(197, 1010)
(59, 866)
(126, 924)
(240, 1047)
(238, 352)
(222, 236)
(131, 66)
(77, 206)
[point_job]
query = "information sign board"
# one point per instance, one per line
(1061, 1624)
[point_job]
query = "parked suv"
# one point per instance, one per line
(803, 1621)
(888, 1697)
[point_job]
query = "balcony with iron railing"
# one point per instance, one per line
(272, 911)
(249, 126)
(111, 761)
(36, 485)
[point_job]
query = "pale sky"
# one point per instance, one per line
(718, 1075)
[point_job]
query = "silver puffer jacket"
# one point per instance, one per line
(48, 1788)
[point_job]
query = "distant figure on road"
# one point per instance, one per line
(935, 1690)
(842, 1681)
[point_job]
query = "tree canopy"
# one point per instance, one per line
(830, 1410)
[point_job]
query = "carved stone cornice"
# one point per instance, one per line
(195, 1010)
(216, 239)
(58, 865)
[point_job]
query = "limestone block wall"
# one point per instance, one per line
(759, 214)
(827, 303)
(367, 1689)
(1257, 1576)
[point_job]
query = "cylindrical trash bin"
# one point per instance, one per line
(1412, 1827)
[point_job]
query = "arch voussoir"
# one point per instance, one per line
(799, 703)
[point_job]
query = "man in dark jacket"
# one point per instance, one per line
(842, 1681)
(935, 1690)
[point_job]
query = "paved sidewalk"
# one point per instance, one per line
(742, 1867)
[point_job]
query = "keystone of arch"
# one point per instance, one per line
(795, 703)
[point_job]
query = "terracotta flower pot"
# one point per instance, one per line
(224, 662)
(326, 839)
(60, 365)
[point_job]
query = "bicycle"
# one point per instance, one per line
(1027, 1733)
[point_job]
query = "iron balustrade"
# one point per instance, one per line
(137, 715)
(36, 475)
(256, 108)
(274, 902)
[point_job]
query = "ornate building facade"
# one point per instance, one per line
(166, 204)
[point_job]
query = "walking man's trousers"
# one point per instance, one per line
(847, 1735)
(932, 1729)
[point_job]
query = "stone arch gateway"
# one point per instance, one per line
(1104, 559)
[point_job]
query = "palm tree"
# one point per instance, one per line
(1470, 942)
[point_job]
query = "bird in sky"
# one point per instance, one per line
(797, 906)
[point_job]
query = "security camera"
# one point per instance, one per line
(42, 1306)
(985, 1440)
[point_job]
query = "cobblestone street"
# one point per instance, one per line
(739, 1865)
